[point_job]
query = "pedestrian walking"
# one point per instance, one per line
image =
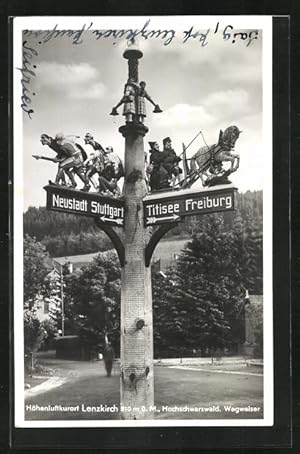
(108, 357)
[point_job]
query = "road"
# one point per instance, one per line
(211, 388)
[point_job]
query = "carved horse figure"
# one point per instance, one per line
(210, 158)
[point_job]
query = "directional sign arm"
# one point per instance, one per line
(175, 206)
(154, 220)
(118, 221)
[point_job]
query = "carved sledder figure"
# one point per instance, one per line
(94, 165)
(112, 172)
(61, 155)
(72, 162)
(107, 165)
(96, 161)
(89, 140)
(51, 143)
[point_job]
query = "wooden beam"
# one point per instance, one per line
(115, 239)
(156, 237)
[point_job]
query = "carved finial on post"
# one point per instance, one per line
(134, 92)
(132, 53)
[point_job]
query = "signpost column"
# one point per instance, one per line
(137, 393)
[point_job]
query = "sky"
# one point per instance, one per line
(199, 88)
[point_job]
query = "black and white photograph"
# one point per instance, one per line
(142, 163)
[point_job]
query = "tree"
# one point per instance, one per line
(50, 332)
(93, 302)
(36, 268)
(167, 321)
(198, 306)
(245, 242)
(34, 334)
(255, 318)
(202, 282)
(188, 302)
(35, 272)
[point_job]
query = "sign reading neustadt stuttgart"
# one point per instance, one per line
(108, 210)
(170, 207)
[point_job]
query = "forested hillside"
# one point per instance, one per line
(66, 234)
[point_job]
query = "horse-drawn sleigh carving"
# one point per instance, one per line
(207, 162)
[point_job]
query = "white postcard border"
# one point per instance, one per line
(40, 22)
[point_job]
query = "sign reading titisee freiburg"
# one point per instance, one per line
(158, 210)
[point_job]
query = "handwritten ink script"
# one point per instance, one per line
(249, 36)
(27, 55)
(167, 36)
(45, 36)
(227, 34)
(131, 34)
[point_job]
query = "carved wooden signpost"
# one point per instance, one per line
(135, 224)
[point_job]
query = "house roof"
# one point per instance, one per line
(256, 299)
(53, 273)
